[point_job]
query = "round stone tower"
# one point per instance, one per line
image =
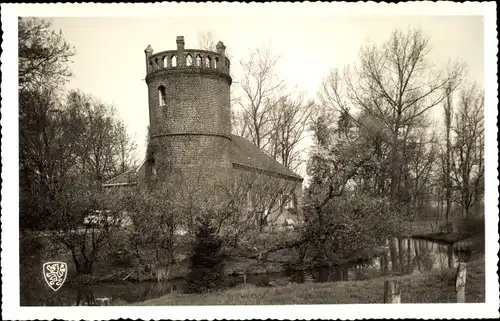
(189, 115)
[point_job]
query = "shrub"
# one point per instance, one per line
(347, 225)
(32, 290)
(122, 257)
(472, 226)
(445, 228)
(207, 261)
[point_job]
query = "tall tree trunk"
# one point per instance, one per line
(447, 172)
(393, 246)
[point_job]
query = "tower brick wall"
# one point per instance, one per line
(189, 113)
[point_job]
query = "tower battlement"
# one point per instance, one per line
(187, 60)
(189, 112)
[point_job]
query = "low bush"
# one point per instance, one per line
(472, 226)
(445, 228)
(32, 287)
(122, 257)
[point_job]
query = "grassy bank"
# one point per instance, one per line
(445, 238)
(432, 287)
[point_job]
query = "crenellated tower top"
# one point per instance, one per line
(187, 60)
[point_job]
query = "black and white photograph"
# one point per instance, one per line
(263, 160)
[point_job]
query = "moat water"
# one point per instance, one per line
(403, 257)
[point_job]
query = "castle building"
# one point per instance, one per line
(190, 131)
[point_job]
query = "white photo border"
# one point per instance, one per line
(10, 181)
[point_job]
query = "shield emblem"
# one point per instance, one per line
(55, 274)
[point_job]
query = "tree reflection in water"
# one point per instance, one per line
(157, 289)
(403, 257)
(425, 256)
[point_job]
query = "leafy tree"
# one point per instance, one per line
(85, 221)
(155, 220)
(104, 149)
(43, 68)
(61, 143)
(44, 54)
(207, 260)
(348, 226)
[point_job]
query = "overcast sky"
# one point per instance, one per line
(110, 61)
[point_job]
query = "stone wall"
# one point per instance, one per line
(190, 116)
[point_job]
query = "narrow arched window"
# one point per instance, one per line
(189, 60)
(162, 96)
(153, 168)
(216, 62)
(165, 62)
(208, 62)
(198, 61)
(174, 61)
(249, 201)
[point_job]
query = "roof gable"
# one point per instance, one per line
(243, 152)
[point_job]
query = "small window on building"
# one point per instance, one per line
(216, 62)
(151, 167)
(165, 62)
(162, 96)
(208, 62)
(198, 61)
(174, 61)
(189, 60)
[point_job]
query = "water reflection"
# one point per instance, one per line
(409, 256)
(402, 256)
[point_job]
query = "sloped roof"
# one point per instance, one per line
(127, 178)
(243, 153)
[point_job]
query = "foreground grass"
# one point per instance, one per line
(432, 287)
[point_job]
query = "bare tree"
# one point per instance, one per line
(206, 41)
(289, 123)
(395, 85)
(267, 199)
(421, 153)
(127, 148)
(448, 117)
(260, 87)
(468, 162)
(239, 124)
